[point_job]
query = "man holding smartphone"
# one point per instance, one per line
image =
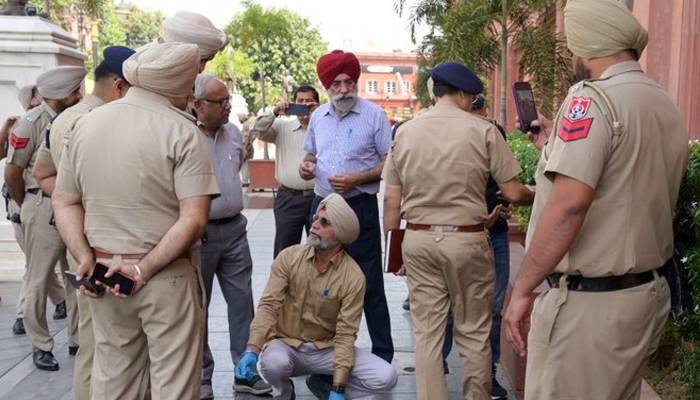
(601, 231)
(288, 132)
(133, 192)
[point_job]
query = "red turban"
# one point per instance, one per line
(335, 63)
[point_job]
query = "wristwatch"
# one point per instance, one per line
(338, 388)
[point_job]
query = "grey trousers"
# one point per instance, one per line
(225, 253)
(371, 376)
(291, 218)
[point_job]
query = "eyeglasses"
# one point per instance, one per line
(323, 220)
(348, 83)
(222, 102)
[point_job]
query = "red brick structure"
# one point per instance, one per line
(389, 80)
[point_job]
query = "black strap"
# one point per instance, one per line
(607, 283)
(47, 139)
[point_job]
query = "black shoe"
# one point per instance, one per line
(255, 386)
(497, 391)
(60, 311)
(18, 327)
(44, 360)
(320, 385)
(407, 304)
(73, 350)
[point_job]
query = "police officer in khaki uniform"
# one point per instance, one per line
(60, 89)
(446, 250)
(110, 85)
(607, 184)
(133, 192)
(191, 27)
(29, 98)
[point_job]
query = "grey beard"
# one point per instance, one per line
(321, 244)
(343, 103)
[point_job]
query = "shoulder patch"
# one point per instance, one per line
(574, 130)
(578, 108)
(18, 142)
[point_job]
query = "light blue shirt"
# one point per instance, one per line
(355, 143)
(226, 151)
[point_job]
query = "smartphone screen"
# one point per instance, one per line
(525, 105)
(126, 285)
(298, 109)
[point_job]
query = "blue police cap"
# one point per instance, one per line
(114, 57)
(458, 76)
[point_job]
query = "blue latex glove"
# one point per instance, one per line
(246, 366)
(336, 396)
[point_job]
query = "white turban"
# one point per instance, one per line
(342, 218)
(58, 83)
(25, 95)
(189, 27)
(168, 69)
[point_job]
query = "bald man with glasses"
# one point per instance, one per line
(225, 251)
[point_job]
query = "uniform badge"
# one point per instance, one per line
(578, 108)
(18, 142)
(574, 130)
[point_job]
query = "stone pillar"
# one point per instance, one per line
(28, 47)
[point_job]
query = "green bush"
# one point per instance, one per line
(687, 236)
(527, 155)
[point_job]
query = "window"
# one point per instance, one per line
(390, 88)
(406, 87)
(371, 86)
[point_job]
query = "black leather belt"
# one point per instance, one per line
(606, 283)
(221, 221)
(36, 191)
(297, 192)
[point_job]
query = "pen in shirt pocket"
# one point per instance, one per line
(349, 131)
(324, 294)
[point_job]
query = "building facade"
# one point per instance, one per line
(389, 80)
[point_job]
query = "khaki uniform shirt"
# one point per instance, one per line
(288, 135)
(442, 160)
(635, 171)
(131, 161)
(301, 305)
(62, 129)
(25, 139)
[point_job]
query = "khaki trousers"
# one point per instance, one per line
(450, 271)
(54, 289)
(156, 332)
(43, 250)
(585, 345)
(82, 369)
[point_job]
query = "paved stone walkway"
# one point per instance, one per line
(19, 380)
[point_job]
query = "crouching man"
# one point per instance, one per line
(309, 314)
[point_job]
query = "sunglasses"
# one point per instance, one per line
(323, 220)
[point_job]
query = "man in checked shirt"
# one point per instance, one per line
(309, 315)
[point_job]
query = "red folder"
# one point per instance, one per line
(393, 260)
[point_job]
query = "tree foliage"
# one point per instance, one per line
(478, 32)
(278, 42)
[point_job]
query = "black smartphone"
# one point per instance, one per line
(525, 106)
(89, 283)
(126, 284)
(301, 110)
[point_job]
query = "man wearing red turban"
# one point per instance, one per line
(346, 143)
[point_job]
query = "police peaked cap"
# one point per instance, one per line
(458, 76)
(114, 57)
